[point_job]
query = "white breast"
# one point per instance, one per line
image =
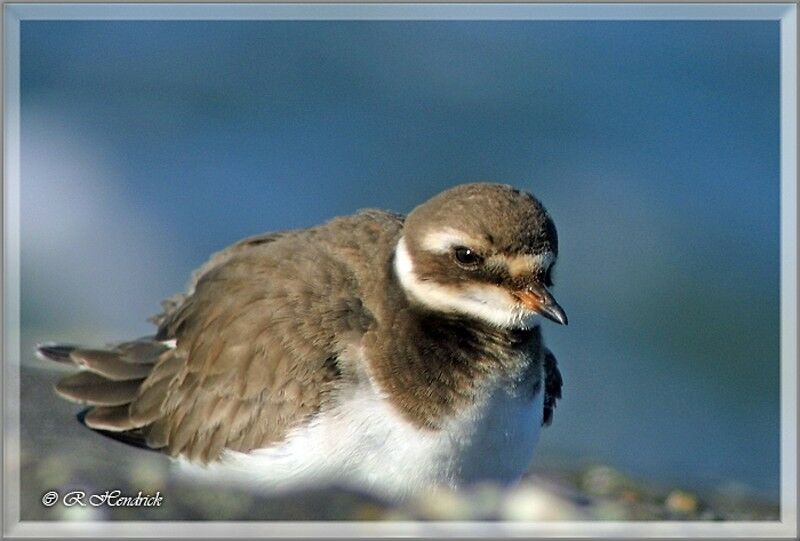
(367, 444)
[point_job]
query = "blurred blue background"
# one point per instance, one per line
(148, 145)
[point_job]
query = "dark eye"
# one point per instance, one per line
(466, 256)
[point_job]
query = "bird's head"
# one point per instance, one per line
(486, 251)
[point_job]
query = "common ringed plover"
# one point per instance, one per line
(386, 352)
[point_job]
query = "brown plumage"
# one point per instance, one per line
(278, 327)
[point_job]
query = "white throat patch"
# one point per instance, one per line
(486, 302)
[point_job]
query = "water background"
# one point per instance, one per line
(655, 145)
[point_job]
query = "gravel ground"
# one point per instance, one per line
(58, 454)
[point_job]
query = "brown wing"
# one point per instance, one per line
(170, 305)
(258, 339)
(552, 386)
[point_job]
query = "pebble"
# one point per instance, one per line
(530, 503)
(681, 503)
(443, 504)
(602, 481)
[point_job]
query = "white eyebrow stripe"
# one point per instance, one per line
(443, 240)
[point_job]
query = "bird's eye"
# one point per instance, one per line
(466, 256)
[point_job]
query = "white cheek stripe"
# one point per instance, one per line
(488, 303)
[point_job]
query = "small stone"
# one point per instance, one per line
(486, 499)
(681, 503)
(368, 512)
(602, 481)
(443, 504)
(529, 503)
(147, 475)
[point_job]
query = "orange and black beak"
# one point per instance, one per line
(539, 300)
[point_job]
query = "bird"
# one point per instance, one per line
(394, 354)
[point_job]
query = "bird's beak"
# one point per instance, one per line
(538, 299)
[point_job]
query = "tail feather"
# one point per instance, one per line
(89, 388)
(129, 437)
(55, 352)
(109, 381)
(114, 418)
(142, 351)
(110, 364)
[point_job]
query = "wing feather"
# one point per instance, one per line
(95, 390)
(110, 364)
(552, 386)
(258, 339)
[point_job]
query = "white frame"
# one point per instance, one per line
(786, 13)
